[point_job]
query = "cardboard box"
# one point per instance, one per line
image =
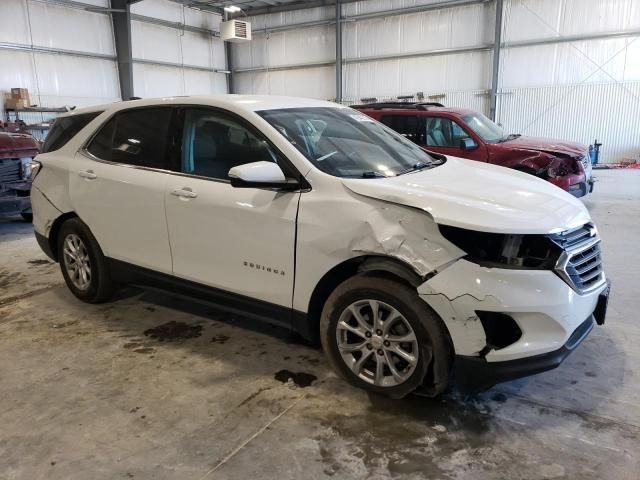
(20, 93)
(12, 103)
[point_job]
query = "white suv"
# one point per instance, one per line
(407, 265)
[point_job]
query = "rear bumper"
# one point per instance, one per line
(44, 244)
(476, 374)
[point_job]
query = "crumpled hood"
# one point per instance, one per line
(549, 145)
(478, 196)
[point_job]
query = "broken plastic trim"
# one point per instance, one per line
(504, 250)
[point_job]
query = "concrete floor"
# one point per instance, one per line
(100, 392)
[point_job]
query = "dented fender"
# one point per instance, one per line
(407, 234)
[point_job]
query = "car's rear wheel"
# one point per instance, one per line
(82, 262)
(27, 216)
(380, 336)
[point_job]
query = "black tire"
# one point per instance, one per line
(101, 287)
(28, 217)
(434, 348)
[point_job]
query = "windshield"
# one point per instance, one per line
(485, 128)
(346, 143)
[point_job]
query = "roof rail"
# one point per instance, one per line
(402, 105)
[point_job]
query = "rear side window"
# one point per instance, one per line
(409, 126)
(135, 137)
(65, 128)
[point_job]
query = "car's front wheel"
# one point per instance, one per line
(379, 335)
(82, 262)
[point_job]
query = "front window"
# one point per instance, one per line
(346, 143)
(485, 128)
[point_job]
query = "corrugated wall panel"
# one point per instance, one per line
(441, 74)
(306, 82)
(180, 47)
(314, 44)
(581, 113)
(56, 80)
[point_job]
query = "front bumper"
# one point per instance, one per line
(12, 205)
(475, 373)
(547, 311)
(577, 185)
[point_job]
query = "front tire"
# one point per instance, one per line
(83, 264)
(379, 335)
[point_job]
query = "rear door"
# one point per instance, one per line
(444, 135)
(118, 182)
(409, 126)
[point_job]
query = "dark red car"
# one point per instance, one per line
(16, 153)
(468, 134)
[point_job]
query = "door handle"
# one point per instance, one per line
(184, 193)
(88, 174)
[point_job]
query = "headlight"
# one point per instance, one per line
(504, 250)
(26, 167)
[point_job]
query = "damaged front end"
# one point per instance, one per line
(508, 310)
(16, 154)
(571, 173)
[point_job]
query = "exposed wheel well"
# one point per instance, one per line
(372, 265)
(55, 230)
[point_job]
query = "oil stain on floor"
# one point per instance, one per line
(174, 331)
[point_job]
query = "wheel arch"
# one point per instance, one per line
(55, 231)
(374, 265)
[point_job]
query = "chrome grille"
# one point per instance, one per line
(10, 170)
(580, 264)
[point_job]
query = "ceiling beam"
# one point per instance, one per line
(285, 7)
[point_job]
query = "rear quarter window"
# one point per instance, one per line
(64, 129)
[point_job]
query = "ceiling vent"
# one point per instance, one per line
(235, 31)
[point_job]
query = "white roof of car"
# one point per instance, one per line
(252, 103)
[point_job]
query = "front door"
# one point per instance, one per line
(117, 187)
(240, 240)
(444, 135)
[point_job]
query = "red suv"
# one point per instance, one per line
(469, 134)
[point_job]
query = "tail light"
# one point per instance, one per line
(34, 167)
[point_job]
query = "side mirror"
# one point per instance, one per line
(468, 144)
(261, 175)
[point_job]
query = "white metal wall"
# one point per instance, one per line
(580, 90)
(192, 53)
(31, 30)
(464, 26)
(53, 79)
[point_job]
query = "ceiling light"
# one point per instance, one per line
(232, 9)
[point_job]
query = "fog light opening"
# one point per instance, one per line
(500, 330)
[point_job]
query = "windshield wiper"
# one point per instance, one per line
(372, 174)
(417, 166)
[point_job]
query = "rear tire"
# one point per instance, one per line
(28, 217)
(407, 348)
(83, 264)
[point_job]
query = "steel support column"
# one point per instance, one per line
(495, 76)
(338, 51)
(121, 19)
(228, 52)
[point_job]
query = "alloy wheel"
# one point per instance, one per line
(76, 261)
(377, 343)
